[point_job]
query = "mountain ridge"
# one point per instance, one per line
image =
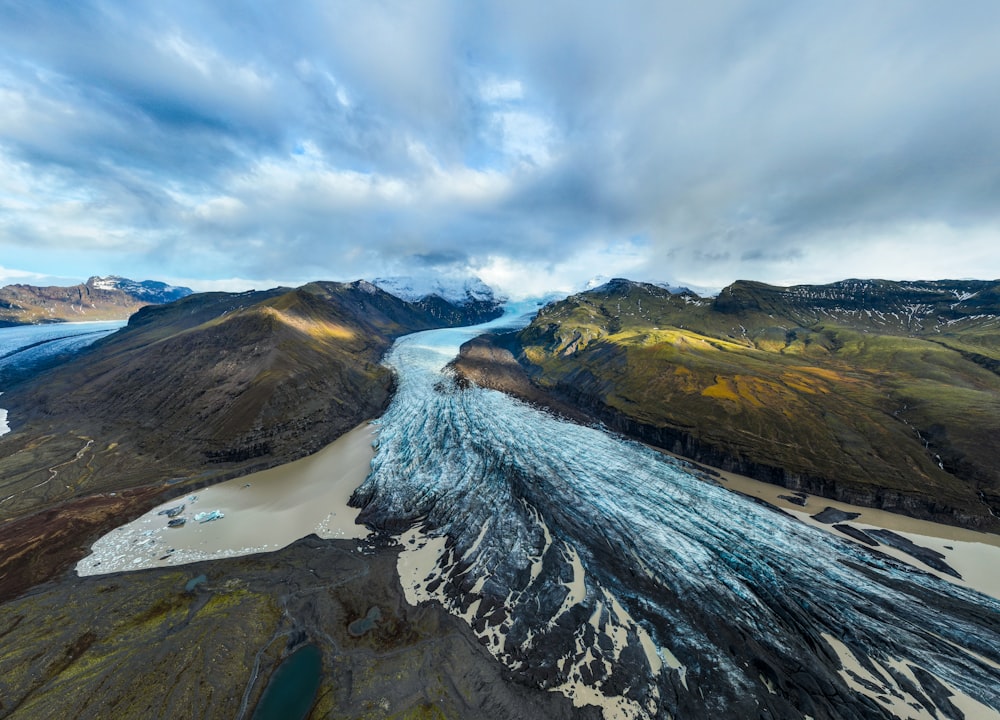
(100, 298)
(211, 386)
(878, 393)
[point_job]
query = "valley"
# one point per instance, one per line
(507, 563)
(499, 361)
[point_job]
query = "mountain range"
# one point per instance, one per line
(100, 298)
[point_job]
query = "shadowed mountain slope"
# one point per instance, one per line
(872, 392)
(212, 386)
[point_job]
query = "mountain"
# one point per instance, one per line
(446, 298)
(600, 280)
(873, 392)
(575, 564)
(458, 291)
(107, 298)
(211, 386)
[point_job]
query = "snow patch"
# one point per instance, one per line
(151, 290)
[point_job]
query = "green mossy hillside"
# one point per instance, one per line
(855, 390)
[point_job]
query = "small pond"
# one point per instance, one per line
(292, 690)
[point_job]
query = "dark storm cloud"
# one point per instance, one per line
(439, 259)
(685, 141)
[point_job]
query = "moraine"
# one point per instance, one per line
(601, 569)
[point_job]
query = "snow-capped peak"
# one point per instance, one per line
(456, 290)
(151, 290)
(111, 282)
(365, 286)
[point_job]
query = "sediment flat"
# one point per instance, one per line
(975, 555)
(263, 511)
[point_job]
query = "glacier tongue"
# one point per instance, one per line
(601, 569)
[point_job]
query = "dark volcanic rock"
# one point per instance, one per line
(856, 533)
(136, 645)
(930, 558)
(801, 499)
(831, 515)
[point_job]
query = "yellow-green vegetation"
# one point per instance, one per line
(131, 647)
(423, 711)
(869, 401)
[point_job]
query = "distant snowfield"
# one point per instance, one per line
(455, 290)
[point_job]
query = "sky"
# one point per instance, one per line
(230, 145)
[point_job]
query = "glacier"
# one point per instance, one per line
(596, 567)
(25, 348)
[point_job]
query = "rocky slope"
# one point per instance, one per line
(107, 298)
(872, 392)
(447, 299)
(205, 641)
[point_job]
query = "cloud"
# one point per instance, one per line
(519, 279)
(786, 142)
(495, 91)
(11, 277)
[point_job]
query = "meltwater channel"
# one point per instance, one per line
(597, 567)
